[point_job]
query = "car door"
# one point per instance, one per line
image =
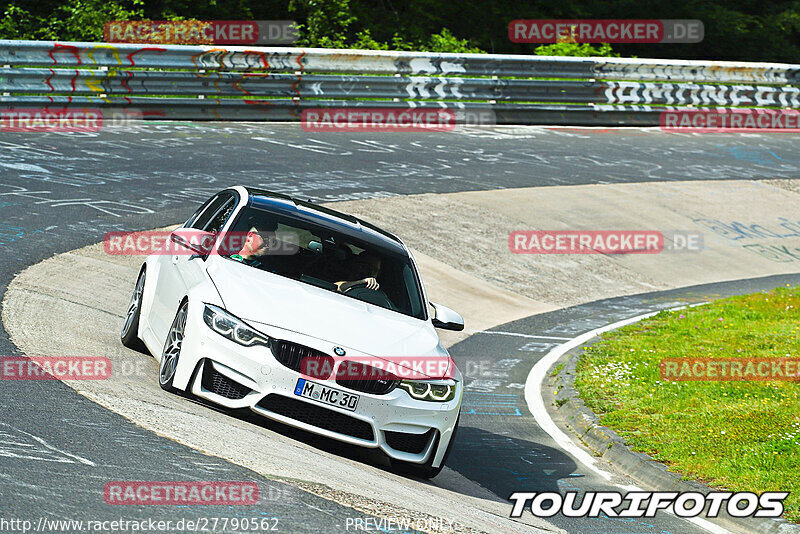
(191, 267)
(170, 281)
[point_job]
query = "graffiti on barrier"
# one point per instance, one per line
(782, 229)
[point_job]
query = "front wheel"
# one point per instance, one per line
(172, 349)
(426, 470)
(130, 328)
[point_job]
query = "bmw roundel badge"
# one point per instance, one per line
(339, 351)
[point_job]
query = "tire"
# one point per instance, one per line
(426, 470)
(130, 328)
(172, 348)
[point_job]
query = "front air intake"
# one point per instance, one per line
(410, 443)
(221, 385)
(317, 416)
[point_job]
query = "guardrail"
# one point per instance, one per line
(241, 83)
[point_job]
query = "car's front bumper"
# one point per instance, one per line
(228, 374)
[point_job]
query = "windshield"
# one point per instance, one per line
(329, 260)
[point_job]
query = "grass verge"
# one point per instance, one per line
(737, 435)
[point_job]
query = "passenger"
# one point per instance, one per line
(258, 243)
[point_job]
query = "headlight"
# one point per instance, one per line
(231, 327)
(440, 391)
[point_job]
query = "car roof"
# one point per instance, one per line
(325, 218)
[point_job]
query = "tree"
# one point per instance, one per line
(575, 49)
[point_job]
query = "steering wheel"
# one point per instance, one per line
(354, 286)
(371, 296)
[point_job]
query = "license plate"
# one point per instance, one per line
(326, 395)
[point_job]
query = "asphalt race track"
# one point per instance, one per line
(59, 192)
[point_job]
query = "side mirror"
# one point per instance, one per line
(196, 241)
(446, 319)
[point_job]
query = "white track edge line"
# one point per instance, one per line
(533, 397)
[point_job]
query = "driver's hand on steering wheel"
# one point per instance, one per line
(372, 283)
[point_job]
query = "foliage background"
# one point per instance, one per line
(750, 30)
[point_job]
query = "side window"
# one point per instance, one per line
(218, 219)
(202, 220)
(200, 210)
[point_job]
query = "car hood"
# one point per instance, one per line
(261, 297)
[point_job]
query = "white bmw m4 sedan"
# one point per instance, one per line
(306, 316)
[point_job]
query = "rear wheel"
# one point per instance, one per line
(130, 328)
(172, 349)
(426, 470)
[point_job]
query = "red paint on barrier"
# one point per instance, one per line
(47, 80)
(70, 49)
(141, 50)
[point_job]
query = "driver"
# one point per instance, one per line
(366, 266)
